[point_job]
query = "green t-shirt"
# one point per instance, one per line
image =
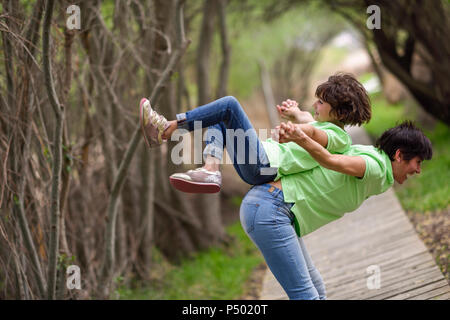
(321, 195)
(290, 158)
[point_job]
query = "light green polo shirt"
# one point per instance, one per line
(321, 195)
(290, 158)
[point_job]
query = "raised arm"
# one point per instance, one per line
(351, 165)
(314, 133)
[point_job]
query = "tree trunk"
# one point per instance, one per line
(204, 51)
(57, 155)
(268, 95)
(423, 29)
(209, 211)
(109, 259)
(426, 94)
(222, 83)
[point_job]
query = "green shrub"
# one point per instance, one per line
(217, 274)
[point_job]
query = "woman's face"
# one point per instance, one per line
(322, 111)
(402, 169)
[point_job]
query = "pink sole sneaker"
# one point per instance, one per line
(193, 187)
(199, 180)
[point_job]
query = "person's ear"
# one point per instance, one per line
(398, 155)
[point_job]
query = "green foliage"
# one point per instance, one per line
(107, 12)
(64, 261)
(218, 273)
(236, 201)
(365, 77)
(253, 39)
(27, 6)
(384, 115)
(262, 42)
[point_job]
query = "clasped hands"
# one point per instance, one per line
(288, 109)
(288, 131)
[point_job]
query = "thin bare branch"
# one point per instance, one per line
(57, 153)
(109, 260)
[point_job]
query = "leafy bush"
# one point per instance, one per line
(218, 273)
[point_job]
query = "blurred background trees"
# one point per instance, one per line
(116, 207)
(411, 43)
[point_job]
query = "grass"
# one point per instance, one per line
(216, 274)
(429, 190)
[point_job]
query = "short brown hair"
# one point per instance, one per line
(349, 100)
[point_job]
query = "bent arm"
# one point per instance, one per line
(351, 165)
(316, 134)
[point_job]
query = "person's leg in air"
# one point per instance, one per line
(228, 126)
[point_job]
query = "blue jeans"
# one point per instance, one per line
(228, 126)
(268, 221)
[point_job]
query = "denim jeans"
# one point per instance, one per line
(268, 221)
(228, 126)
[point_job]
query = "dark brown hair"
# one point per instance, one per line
(407, 138)
(347, 97)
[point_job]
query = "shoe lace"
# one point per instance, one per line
(157, 120)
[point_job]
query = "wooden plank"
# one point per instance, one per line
(401, 250)
(349, 292)
(364, 262)
(425, 289)
(403, 283)
(322, 241)
(358, 241)
(386, 278)
(445, 296)
(388, 260)
(347, 257)
(355, 225)
(432, 293)
(349, 221)
(272, 290)
(342, 257)
(417, 283)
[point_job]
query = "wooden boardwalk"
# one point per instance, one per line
(377, 234)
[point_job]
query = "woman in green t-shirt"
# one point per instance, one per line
(340, 184)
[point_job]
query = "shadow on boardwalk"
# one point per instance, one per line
(377, 234)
